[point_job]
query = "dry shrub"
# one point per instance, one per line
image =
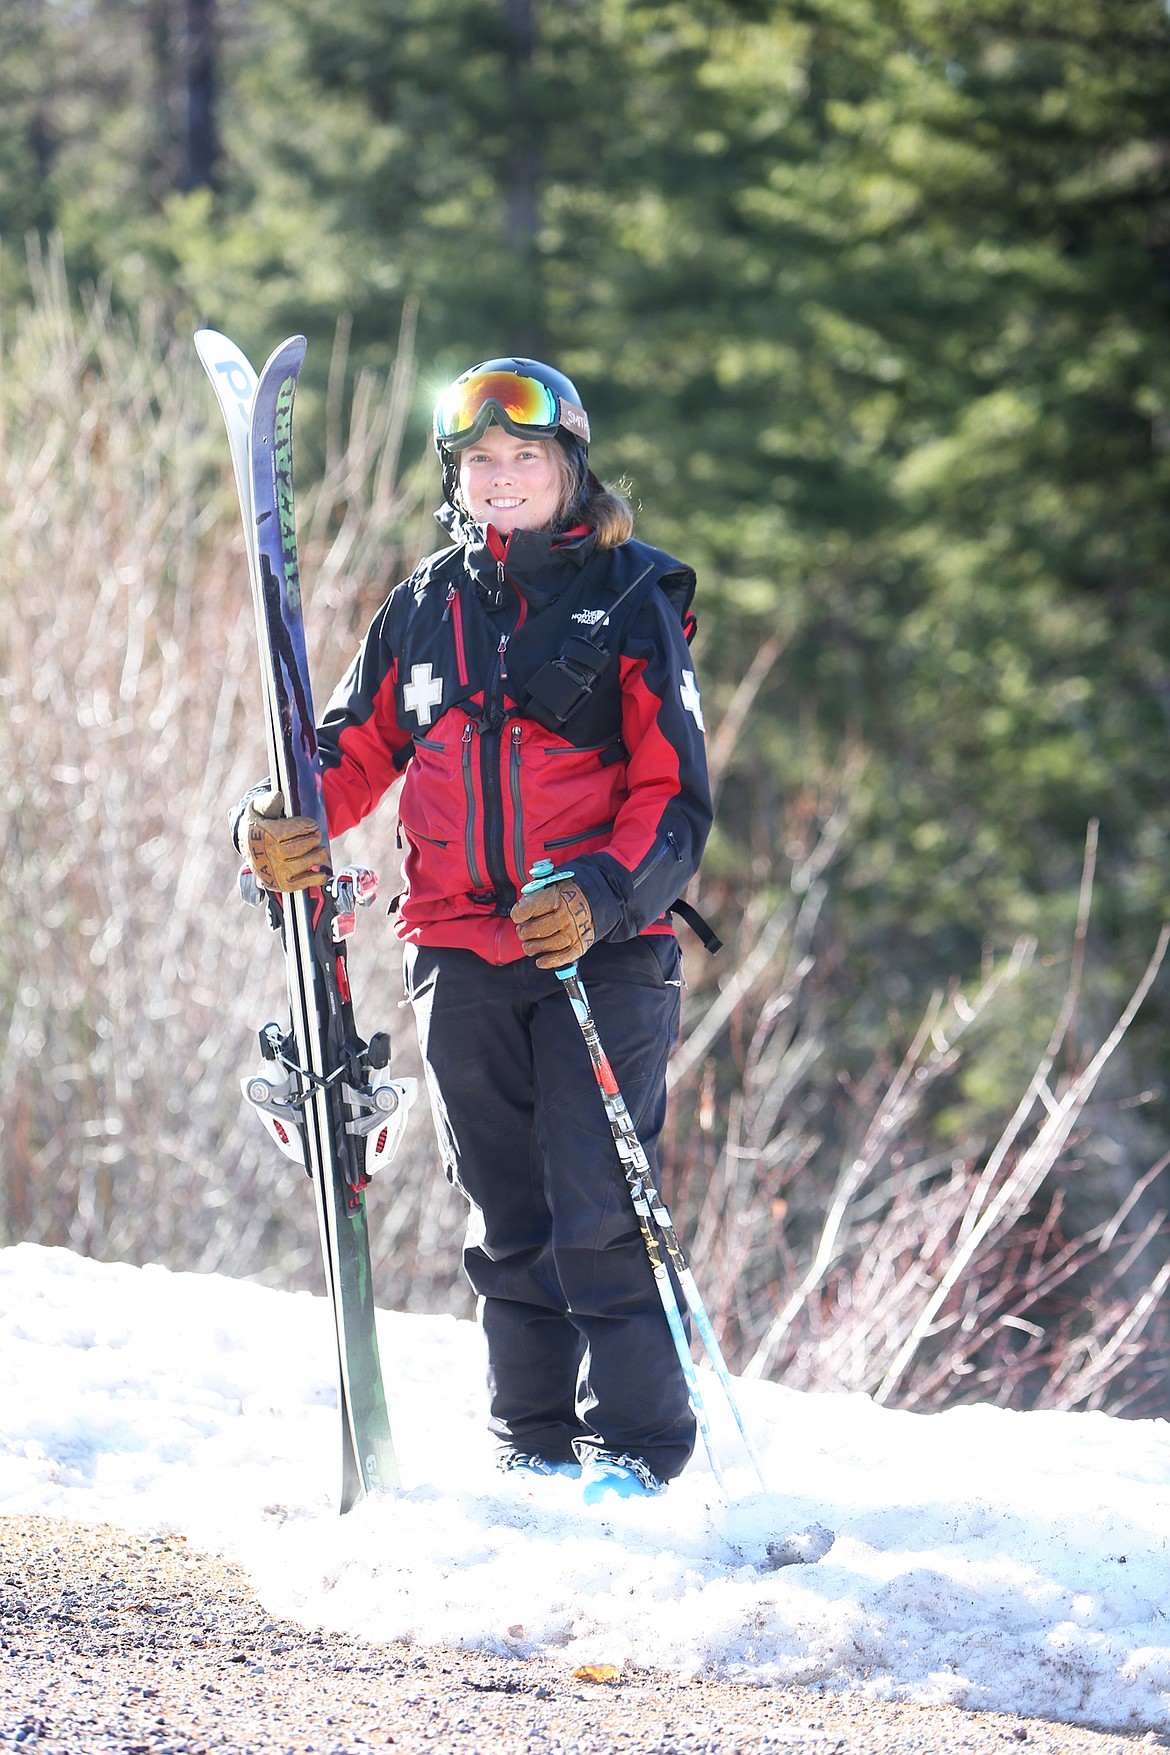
(872, 1257)
(131, 978)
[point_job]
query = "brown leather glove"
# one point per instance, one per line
(555, 925)
(285, 853)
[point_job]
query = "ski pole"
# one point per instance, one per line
(649, 1206)
(637, 1169)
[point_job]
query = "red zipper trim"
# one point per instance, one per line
(460, 649)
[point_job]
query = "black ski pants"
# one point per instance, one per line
(579, 1351)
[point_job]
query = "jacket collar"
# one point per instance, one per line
(536, 563)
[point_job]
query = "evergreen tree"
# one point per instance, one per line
(869, 300)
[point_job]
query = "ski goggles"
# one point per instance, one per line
(522, 405)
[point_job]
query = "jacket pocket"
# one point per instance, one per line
(590, 834)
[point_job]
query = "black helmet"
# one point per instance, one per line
(523, 396)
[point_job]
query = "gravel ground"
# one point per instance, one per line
(112, 1642)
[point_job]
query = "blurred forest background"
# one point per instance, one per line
(869, 301)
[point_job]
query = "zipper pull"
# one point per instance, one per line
(450, 601)
(503, 649)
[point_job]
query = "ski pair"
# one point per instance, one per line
(654, 1220)
(324, 1094)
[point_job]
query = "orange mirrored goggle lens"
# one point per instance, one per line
(524, 402)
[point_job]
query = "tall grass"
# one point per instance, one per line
(879, 1255)
(873, 1254)
(131, 978)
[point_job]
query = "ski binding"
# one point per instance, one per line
(378, 1105)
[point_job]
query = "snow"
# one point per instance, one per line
(1015, 1561)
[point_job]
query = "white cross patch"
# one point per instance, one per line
(422, 692)
(689, 692)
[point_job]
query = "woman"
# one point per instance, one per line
(533, 681)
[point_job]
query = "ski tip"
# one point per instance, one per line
(231, 374)
(210, 344)
(287, 357)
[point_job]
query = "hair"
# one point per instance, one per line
(585, 500)
(610, 516)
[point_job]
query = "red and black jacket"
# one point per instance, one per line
(539, 694)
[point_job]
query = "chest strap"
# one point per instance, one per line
(557, 691)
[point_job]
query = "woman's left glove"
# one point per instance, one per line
(555, 925)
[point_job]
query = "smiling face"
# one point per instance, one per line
(515, 484)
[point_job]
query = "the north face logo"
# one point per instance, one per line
(590, 617)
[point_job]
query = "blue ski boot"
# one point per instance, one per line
(606, 1474)
(528, 1466)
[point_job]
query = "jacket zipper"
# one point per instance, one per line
(490, 761)
(491, 758)
(669, 846)
(581, 835)
(469, 800)
(517, 806)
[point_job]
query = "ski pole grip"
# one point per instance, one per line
(540, 877)
(543, 874)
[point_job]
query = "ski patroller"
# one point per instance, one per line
(324, 1094)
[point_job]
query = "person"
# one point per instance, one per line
(532, 682)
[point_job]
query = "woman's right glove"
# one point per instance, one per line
(285, 853)
(555, 925)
